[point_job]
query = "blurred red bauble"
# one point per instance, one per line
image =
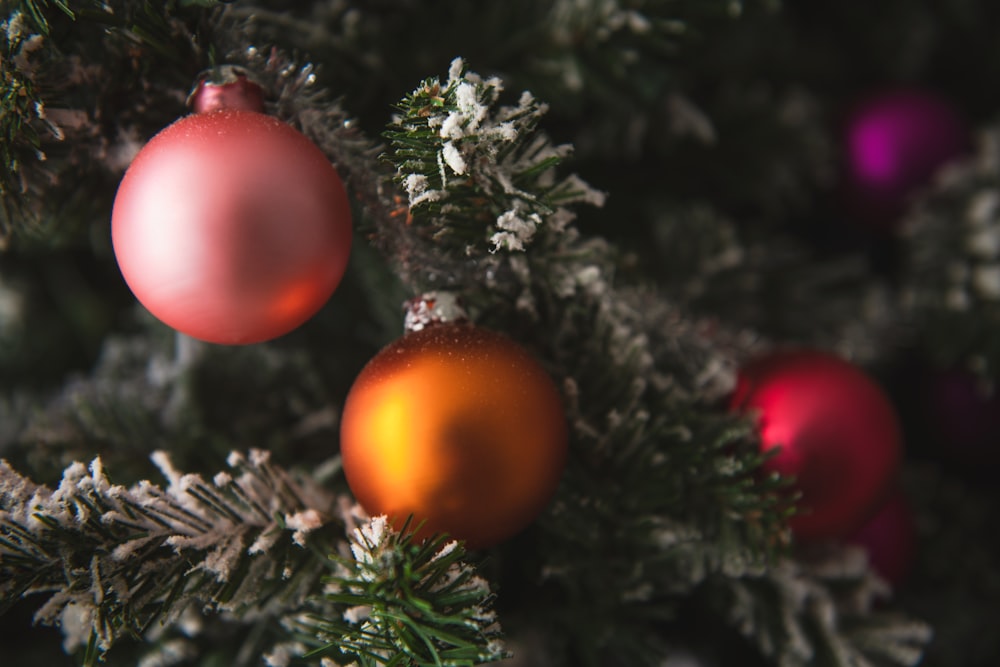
(231, 227)
(838, 435)
(459, 427)
(896, 141)
(889, 537)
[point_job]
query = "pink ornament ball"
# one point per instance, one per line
(829, 426)
(231, 227)
(896, 141)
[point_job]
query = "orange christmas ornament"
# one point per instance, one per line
(457, 426)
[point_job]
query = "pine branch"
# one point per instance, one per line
(23, 114)
(116, 560)
(478, 176)
(662, 493)
(820, 613)
(775, 285)
(55, 94)
(404, 603)
(951, 288)
(656, 476)
(163, 390)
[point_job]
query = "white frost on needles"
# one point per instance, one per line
(283, 654)
(515, 231)
(493, 154)
(453, 158)
(144, 546)
(303, 523)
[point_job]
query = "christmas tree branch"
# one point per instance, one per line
(952, 282)
(161, 390)
(401, 602)
(477, 175)
(52, 93)
(655, 477)
(116, 560)
(821, 612)
(658, 476)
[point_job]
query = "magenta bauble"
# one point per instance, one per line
(896, 141)
(231, 227)
(833, 429)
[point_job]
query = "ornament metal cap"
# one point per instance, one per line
(226, 87)
(431, 308)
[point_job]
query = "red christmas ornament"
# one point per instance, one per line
(896, 141)
(232, 227)
(837, 432)
(889, 537)
(457, 426)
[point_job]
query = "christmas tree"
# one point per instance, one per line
(538, 332)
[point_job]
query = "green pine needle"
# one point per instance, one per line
(403, 602)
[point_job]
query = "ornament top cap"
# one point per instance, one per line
(226, 87)
(432, 308)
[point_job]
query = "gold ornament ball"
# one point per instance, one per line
(459, 427)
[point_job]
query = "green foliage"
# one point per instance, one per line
(952, 279)
(22, 109)
(54, 97)
(662, 507)
(116, 560)
(820, 611)
(660, 494)
(35, 10)
(407, 604)
(477, 173)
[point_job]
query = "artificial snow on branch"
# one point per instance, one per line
(478, 175)
(114, 560)
(952, 284)
(821, 612)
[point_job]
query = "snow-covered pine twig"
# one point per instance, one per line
(402, 602)
(23, 119)
(821, 612)
(113, 560)
(951, 287)
(478, 175)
